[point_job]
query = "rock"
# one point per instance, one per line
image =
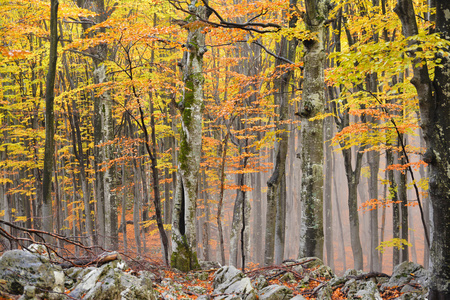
(42, 250)
(260, 282)
(323, 272)
(208, 265)
(29, 293)
(275, 292)
(287, 277)
(109, 282)
(198, 290)
(20, 268)
(310, 262)
(295, 266)
(368, 292)
(137, 288)
(233, 284)
(202, 276)
(325, 293)
(406, 272)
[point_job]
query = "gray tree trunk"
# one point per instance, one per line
(276, 185)
(313, 102)
(47, 212)
(435, 122)
(184, 240)
(107, 154)
(328, 222)
(237, 222)
(373, 158)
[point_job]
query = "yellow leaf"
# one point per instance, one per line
(21, 219)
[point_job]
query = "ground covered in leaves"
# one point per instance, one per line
(299, 277)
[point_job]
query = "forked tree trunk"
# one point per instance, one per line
(184, 240)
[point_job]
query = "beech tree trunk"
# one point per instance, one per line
(47, 212)
(276, 185)
(313, 102)
(434, 103)
(184, 240)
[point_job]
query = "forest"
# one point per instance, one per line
(244, 132)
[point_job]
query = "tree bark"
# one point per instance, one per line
(276, 185)
(313, 101)
(435, 122)
(184, 240)
(47, 212)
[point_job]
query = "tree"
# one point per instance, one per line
(313, 103)
(184, 241)
(434, 103)
(47, 211)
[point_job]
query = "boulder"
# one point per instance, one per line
(208, 265)
(232, 284)
(368, 291)
(407, 273)
(275, 292)
(20, 269)
(109, 282)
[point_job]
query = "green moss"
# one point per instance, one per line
(188, 101)
(184, 259)
(183, 153)
(190, 18)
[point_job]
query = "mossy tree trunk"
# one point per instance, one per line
(184, 240)
(313, 101)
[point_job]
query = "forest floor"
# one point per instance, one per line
(150, 259)
(188, 284)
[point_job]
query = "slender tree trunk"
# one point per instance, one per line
(206, 226)
(404, 228)
(276, 185)
(373, 158)
(220, 204)
(328, 222)
(124, 210)
(353, 177)
(239, 218)
(136, 207)
(341, 228)
(47, 213)
(257, 222)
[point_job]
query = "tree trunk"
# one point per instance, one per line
(107, 154)
(373, 158)
(328, 222)
(240, 218)
(184, 240)
(276, 185)
(353, 177)
(313, 101)
(435, 122)
(47, 213)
